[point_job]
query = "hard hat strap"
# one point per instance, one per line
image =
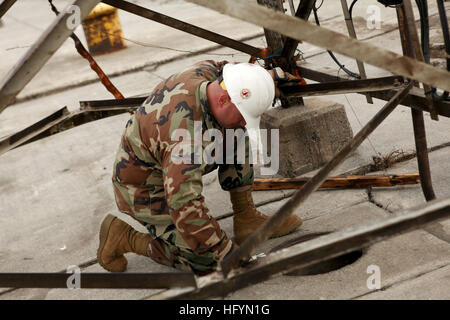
(222, 82)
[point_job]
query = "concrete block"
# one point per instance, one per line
(309, 135)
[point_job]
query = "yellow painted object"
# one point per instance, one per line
(103, 30)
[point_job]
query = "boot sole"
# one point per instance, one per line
(104, 232)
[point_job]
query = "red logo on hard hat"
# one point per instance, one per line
(245, 94)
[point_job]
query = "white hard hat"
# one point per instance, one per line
(251, 90)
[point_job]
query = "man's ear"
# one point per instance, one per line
(223, 99)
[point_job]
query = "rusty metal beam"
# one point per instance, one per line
(99, 280)
(35, 129)
(316, 89)
(341, 87)
(92, 110)
(92, 63)
(40, 52)
(303, 12)
(423, 161)
(127, 104)
(292, 7)
(274, 40)
(5, 6)
(314, 251)
(411, 47)
(186, 27)
(62, 120)
(334, 41)
(275, 45)
(262, 233)
(415, 99)
(345, 182)
(98, 109)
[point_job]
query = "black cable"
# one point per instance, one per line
(422, 5)
(425, 38)
(424, 28)
(341, 66)
(446, 34)
(351, 8)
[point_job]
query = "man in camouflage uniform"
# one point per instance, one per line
(165, 195)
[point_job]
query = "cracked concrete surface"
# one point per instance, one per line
(56, 191)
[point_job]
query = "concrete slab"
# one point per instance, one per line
(148, 42)
(36, 109)
(70, 201)
(326, 219)
(429, 286)
(322, 203)
(141, 264)
(407, 196)
(331, 17)
(139, 83)
(56, 191)
(147, 39)
(399, 259)
(66, 60)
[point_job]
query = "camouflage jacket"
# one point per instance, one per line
(145, 161)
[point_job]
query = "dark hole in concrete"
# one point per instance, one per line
(323, 266)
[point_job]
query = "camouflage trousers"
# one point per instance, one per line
(169, 249)
(147, 205)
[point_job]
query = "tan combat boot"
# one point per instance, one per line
(117, 238)
(247, 219)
